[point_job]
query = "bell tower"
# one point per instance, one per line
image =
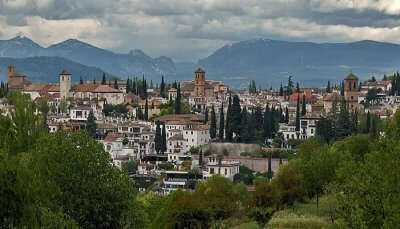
(199, 83)
(351, 91)
(65, 84)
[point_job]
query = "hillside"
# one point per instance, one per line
(134, 63)
(271, 61)
(47, 69)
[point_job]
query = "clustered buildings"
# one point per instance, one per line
(127, 138)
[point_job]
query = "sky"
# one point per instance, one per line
(187, 30)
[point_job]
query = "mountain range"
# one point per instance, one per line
(269, 62)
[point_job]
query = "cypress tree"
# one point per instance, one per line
(115, 84)
(297, 87)
(206, 115)
(178, 108)
(270, 173)
(286, 115)
(91, 124)
(213, 126)
(244, 125)
(158, 138)
(374, 130)
(266, 124)
(281, 91)
(201, 158)
(128, 86)
(368, 123)
(328, 87)
(221, 124)
(298, 114)
(258, 117)
(236, 115)
(228, 129)
(164, 139)
(146, 111)
(162, 87)
(139, 114)
(80, 80)
(304, 109)
(134, 87)
(342, 89)
(103, 80)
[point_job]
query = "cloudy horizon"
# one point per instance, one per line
(192, 29)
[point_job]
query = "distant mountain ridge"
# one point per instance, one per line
(134, 63)
(271, 61)
(267, 61)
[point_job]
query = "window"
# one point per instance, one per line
(226, 171)
(211, 170)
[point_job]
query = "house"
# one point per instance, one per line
(218, 166)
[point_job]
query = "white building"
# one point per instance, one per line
(221, 167)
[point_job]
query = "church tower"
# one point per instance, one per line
(199, 83)
(11, 72)
(65, 84)
(351, 91)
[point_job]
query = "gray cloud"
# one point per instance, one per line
(191, 29)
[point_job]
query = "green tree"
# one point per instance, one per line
(116, 84)
(146, 111)
(103, 80)
(244, 122)
(298, 114)
(303, 107)
(91, 125)
(130, 166)
(162, 87)
(221, 123)
(206, 115)
(178, 107)
(236, 115)
(80, 80)
(213, 125)
(164, 139)
(228, 125)
(328, 87)
(158, 141)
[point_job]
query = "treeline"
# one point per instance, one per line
(341, 123)
(395, 90)
(50, 180)
(242, 125)
(359, 173)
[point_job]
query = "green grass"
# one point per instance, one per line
(306, 215)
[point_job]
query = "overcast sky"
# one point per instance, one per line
(192, 29)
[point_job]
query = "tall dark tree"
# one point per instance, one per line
(328, 87)
(178, 107)
(103, 80)
(164, 139)
(91, 126)
(80, 80)
(270, 174)
(139, 113)
(146, 110)
(221, 124)
(297, 87)
(343, 123)
(201, 158)
(342, 89)
(258, 117)
(206, 115)
(158, 138)
(298, 114)
(128, 85)
(236, 115)
(244, 126)
(368, 123)
(281, 91)
(289, 90)
(213, 125)
(162, 87)
(134, 87)
(286, 115)
(324, 129)
(116, 84)
(228, 125)
(267, 123)
(374, 128)
(303, 107)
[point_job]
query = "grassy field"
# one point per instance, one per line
(303, 215)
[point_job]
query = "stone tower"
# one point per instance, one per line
(65, 84)
(199, 83)
(351, 91)
(11, 72)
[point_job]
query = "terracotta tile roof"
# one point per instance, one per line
(106, 89)
(35, 87)
(112, 137)
(177, 137)
(296, 96)
(64, 72)
(84, 87)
